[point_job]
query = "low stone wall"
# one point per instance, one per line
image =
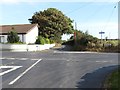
(25, 47)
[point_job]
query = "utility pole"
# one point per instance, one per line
(75, 34)
(75, 26)
(109, 41)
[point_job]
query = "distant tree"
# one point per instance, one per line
(12, 37)
(52, 23)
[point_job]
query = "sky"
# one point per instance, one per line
(90, 15)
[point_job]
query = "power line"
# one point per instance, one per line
(96, 12)
(109, 18)
(86, 5)
(83, 6)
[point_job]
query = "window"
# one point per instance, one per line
(1, 39)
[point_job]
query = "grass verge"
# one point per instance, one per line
(112, 81)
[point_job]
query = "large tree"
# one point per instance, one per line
(52, 23)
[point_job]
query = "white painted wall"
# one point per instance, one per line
(4, 38)
(25, 47)
(22, 37)
(32, 35)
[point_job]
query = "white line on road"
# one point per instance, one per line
(88, 52)
(23, 58)
(17, 58)
(12, 58)
(12, 82)
(72, 52)
(12, 69)
(34, 59)
(102, 61)
(2, 58)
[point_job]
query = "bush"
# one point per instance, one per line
(47, 41)
(13, 37)
(15, 43)
(51, 41)
(70, 42)
(40, 40)
(78, 48)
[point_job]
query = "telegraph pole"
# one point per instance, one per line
(75, 26)
(75, 34)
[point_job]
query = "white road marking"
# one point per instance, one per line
(7, 71)
(72, 52)
(23, 58)
(102, 61)
(2, 58)
(11, 58)
(17, 58)
(12, 82)
(82, 52)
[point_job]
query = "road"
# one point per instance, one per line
(56, 69)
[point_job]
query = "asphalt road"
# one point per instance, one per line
(56, 69)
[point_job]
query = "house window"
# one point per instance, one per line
(22, 37)
(2, 39)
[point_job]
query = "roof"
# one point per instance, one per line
(20, 29)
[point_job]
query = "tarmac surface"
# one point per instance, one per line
(56, 68)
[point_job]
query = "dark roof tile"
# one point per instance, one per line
(21, 28)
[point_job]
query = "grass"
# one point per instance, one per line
(112, 81)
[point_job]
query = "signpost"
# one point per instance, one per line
(75, 37)
(101, 34)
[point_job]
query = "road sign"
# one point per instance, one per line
(101, 32)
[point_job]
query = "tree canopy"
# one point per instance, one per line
(52, 23)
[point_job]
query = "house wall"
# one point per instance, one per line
(22, 37)
(4, 38)
(32, 35)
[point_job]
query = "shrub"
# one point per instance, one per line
(47, 41)
(70, 42)
(51, 41)
(13, 37)
(40, 40)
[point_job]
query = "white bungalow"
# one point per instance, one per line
(26, 32)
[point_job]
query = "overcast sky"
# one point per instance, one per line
(90, 15)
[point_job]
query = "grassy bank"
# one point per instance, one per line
(112, 81)
(96, 47)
